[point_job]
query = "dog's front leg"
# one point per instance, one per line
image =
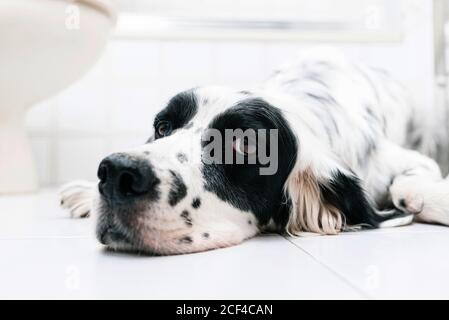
(428, 200)
(419, 188)
(77, 197)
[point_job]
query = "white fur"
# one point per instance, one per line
(77, 198)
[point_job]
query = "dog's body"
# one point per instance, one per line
(345, 161)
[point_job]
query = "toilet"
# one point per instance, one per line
(45, 45)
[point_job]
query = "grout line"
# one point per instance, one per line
(53, 151)
(76, 134)
(334, 272)
(44, 238)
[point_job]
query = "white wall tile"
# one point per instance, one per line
(78, 158)
(133, 108)
(123, 142)
(39, 117)
(191, 61)
(43, 152)
(279, 53)
(84, 105)
(133, 59)
(240, 64)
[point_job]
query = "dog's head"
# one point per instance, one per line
(177, 194)
(181, 192)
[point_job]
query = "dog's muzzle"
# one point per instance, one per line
(124, 181)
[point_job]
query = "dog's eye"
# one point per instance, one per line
(245, 146)
(163, 128)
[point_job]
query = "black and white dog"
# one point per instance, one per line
(346, 135)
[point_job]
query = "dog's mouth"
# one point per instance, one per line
(115, 240)
(134, 237)
(141, 228)
(110, 236)
(116, 226)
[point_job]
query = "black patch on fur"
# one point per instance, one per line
(178, 189)
(371, 134)
(146, 153)
(324, 98)
(189, 125)
(196, 203)
(205, 235)
(186, 239)
(245, 92)
(316, 77)
(179, 111)
(242, 186)
(408, 172)
(182, 157)
(327, 103)
(250, 222)
(346, 194)
(414, 135)
(186, 216)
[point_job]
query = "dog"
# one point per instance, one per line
(352, 153)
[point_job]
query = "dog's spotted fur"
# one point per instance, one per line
(345, 133)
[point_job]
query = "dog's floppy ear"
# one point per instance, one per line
(310, 211)
(328, 203)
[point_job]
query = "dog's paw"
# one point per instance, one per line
(77, 198)
(406, 196)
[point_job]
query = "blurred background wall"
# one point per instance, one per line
(112, 108)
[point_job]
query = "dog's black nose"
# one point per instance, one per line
(123, 177)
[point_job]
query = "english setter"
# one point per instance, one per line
(353, 153)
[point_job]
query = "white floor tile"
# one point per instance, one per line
(413, 228)
(47, 255)
(407, 262)
(39, 216)
(266, 268)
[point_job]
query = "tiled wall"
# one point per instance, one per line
(113, 106)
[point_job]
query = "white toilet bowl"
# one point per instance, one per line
(45, 45)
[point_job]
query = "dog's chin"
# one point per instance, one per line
(131, 231)
(125, 247)
(119, 242)
(129, 240)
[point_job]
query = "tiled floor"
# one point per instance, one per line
(47, 255)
